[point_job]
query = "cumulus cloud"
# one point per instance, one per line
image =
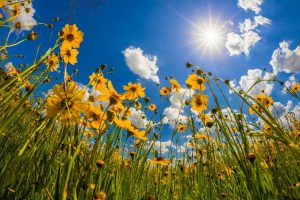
(139, 119)
(249, 24)
(280, 112)
(247, 81)
(253, 5)
(286, 60)
(291, 81)
(26, 18)
(143, 65)
(175, 112)
(241, 43)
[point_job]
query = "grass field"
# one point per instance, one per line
(78, 142)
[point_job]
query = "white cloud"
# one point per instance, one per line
(247, 81)
(291, 81)
(141, 64)
(237, 44)
(249, 25)
(253, 5)
(139, 119)
(280, 112)
(25, 18)
(286, 60)
(175, 112)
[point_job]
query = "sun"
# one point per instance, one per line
(208, 35)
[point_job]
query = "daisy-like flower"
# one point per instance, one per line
(254, 108)
(199, 102)
(138, 105)
(295, 88)
(71, 35)
(98, 81)
(152, 107)
(137, 133)
(161, 161)
(181, 128)
(96, 116)
(165, 91)
(111, 95)
(2, 2)
(264, 100)
(66, 103)
(201, 136)
(52, 62)
(133, 91)
(69, 55)
(175, 85)
(195, 82)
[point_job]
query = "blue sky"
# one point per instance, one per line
(164, 28)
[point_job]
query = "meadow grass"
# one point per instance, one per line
(62, 146)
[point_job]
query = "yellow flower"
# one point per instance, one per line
(137, 133)
(66, 103)
(2, 2)
(71, 35)
(260, 98)
(175, 85)
(16, 9)
(110, 95)
(69, 55)
(268, 101)
(97, 117)
(195, 82)
(181, 128)
(52, 62)
(98, 82)
(204, 118)
(133, 91)
(88, 134)
(254, 108)
(201, 136)
(160, 161)
(295, 88)
(138, 105)
(165, 91)
(152, 107)
(199, 102)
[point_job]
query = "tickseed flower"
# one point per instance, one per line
(199, 102)
(138, 105)
(100, 196)
(161, 161)
(152, 107)
(66, 103)
(295, 88)
(69, 55)
(16, 9)
(137, 133)
(98, 81)
(165, 91)
(52, 62)
(133, 91)
(71, 35)
(2, 2)
(88, 134)
(181, 128)
(254, 108)
(111, 95)
(195, 82)
(201, 136)
(96, 116)
(175, 85)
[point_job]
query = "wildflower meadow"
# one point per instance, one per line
(85, 133)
